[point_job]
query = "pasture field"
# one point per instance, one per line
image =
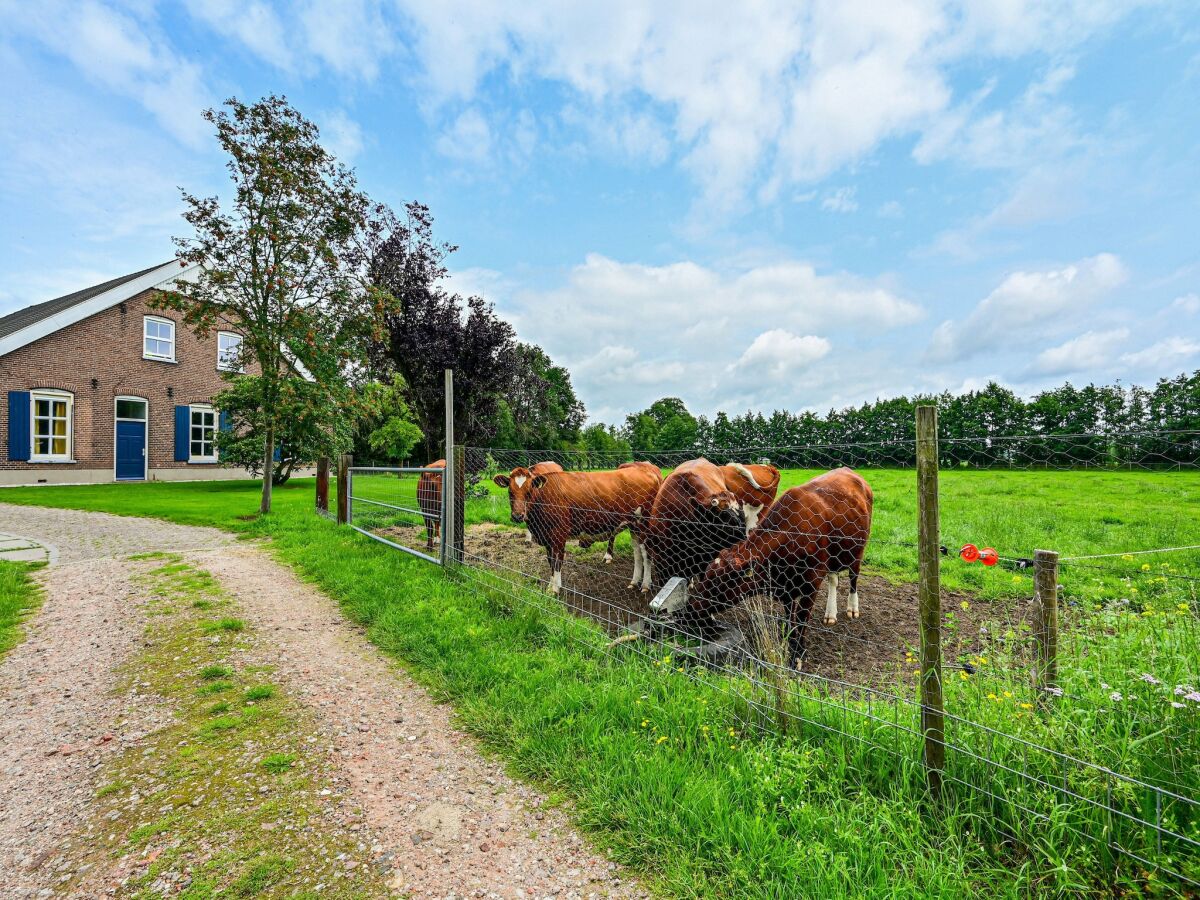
(668, 768)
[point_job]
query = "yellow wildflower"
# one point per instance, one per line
(645, 722)
(963, 675)
(965, 605)
(1145, 567)
(661, 738)
(1026, 706)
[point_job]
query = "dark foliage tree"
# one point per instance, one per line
(430, 330)
(540, 410)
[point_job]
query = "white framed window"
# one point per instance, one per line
(229, 352)
(158, 338)
(202, 439)
(51, 414)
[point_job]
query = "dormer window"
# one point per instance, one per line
(158, 339)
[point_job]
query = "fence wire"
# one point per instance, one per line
(790, 587)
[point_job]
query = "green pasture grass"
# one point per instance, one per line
(809, 811)
(19, 598)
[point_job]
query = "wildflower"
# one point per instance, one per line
(965, 605)
(1116, 697)
(1026, 706)
(983, 660)
(680, 669)
(1145, 567)
(1104, 687)
(704, 728)
(733, 746)
(645, 722)
(963, 675)
(1194, 696)
(1054, 691)
(1133, 590)
(992, 697)
(733, 732)
(661, 738)
(916, 672)
(1008, 695)
(1183, 607)
(1149, 679)
(1127, 558)
(1178, 705)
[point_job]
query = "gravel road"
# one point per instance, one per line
(443, 820)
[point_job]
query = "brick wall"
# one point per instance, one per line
(108, 348)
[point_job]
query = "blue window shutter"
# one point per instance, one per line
(183, 427)
(224, 423)
(19, 438)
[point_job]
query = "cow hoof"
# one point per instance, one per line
(853, 614)
(645, 590)
(829, 621)
(607, 559)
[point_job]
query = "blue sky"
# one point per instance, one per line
(758, 205)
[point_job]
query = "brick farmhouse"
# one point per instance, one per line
(97, 386)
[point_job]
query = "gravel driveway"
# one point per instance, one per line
(444, 820)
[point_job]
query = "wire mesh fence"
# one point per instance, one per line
(787, 578)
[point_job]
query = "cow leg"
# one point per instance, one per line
(556, 553)
(855, 568)
(637, 561)
(608, 554)
(800, 603)
(528, 536)
(647, 571)
(831, 583)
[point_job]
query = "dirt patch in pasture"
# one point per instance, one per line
(869, 650)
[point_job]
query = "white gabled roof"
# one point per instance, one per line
(28, 325)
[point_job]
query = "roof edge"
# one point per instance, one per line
(167, 273)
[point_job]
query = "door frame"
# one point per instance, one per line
(145, 436)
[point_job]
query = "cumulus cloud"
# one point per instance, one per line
(468, 139)
(1160, 356)
(121, 53)
(1188, 304)
(840, 201)
(1091, 350)
(1023, 301)
(779, 353)
(631, 332)
(255, 24)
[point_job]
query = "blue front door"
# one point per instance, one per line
(131, 450)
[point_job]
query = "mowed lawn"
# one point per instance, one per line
(667, 768)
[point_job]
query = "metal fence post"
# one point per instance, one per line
(323, 484)
(1045, 579)
(449, 477)
(345, 461)
(930, 598)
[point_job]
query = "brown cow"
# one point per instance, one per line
(429, 499)
(701, 509)
(812, 533)
(520, 483)
(587, 505)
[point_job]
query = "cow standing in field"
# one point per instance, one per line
(587, 505)
(429, 500)
(811, 534)
(701, 509)
(520, 485)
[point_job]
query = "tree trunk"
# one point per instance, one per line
(268, 470)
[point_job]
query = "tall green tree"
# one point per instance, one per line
(284, 263)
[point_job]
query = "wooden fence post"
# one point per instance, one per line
(345, 461)
(323, 483)
(1045, 579)
(930, 598)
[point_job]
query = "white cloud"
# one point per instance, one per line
(1090, 351)
(116, 50)
(1022, 302)
(254, 23)
(778, 353)
(1189, 304)
(890, 210)
(468, 139)
(352, 37)
(840, 201)
(630, 333)
(1159, 356)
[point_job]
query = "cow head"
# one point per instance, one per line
(520, 483)
(728, 579)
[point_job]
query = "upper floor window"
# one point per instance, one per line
(51, 415)
(158, 338)
(229, 352)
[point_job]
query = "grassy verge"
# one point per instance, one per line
(228, 799)
(647, 755)
(19, 598)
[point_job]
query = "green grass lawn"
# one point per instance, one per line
(682, 777)
(19, 597)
